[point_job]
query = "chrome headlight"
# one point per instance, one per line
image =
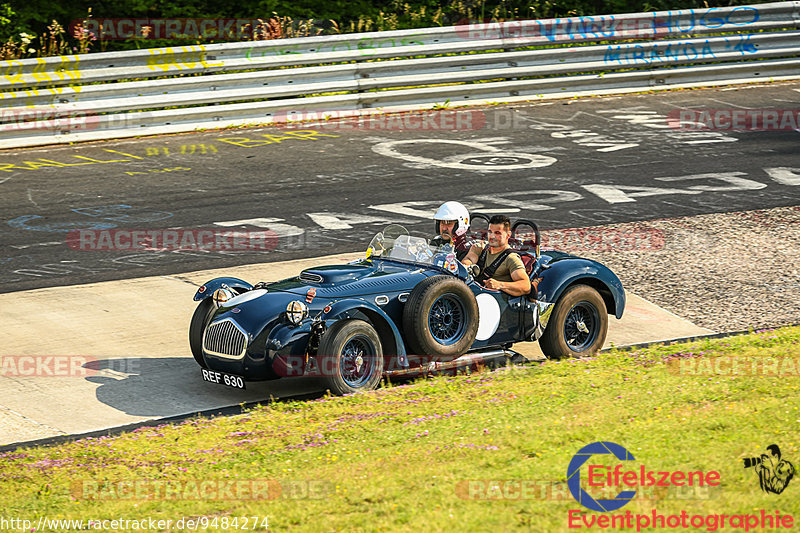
(222, 295)
(296, 311)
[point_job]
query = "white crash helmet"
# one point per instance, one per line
(453, 211)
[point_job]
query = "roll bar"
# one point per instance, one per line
(525, 245)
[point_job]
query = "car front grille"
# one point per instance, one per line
(225, 339)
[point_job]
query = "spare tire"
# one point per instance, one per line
(440, 317)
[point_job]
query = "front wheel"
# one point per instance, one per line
(578, 325)
(200, 319)
(350, 357)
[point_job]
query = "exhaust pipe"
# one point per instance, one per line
(467, 360)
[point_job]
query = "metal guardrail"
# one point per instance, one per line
(90, 97)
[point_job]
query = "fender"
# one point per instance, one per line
(390, 336)
(209, 287)
(559, 274)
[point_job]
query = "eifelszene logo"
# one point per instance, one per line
(614, 477)
(774, 473)
(574, 476)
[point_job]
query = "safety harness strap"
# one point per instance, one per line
(489, 271)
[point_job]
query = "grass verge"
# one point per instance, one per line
(425, 456)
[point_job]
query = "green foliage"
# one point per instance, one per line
(6, 14)
(34, 16)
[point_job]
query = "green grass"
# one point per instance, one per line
(399, 459)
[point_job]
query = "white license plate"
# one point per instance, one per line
(221, 378)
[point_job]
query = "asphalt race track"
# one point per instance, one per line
(616, 163)
(327, 189)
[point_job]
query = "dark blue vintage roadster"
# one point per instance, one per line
(403, 307)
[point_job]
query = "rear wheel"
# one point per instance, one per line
(350, 357)
(578, 325)
(200, 319)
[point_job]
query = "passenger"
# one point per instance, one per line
(500, 268)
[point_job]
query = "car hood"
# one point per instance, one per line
(254, 310)
(344, 281)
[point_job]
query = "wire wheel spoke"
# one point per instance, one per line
(446, 320)
(358, 361)
(580, 326)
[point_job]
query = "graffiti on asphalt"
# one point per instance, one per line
(150, 152)
(320, 230)
(117, 213)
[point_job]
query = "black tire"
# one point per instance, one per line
(350, 357)
(200, 319)
(563, 336)
(440, 317)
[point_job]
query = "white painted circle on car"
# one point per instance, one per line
(489, 313)
(245, 297)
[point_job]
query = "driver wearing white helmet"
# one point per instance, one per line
(452, 223)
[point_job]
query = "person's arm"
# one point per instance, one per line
(519, 285)
(472, 256)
